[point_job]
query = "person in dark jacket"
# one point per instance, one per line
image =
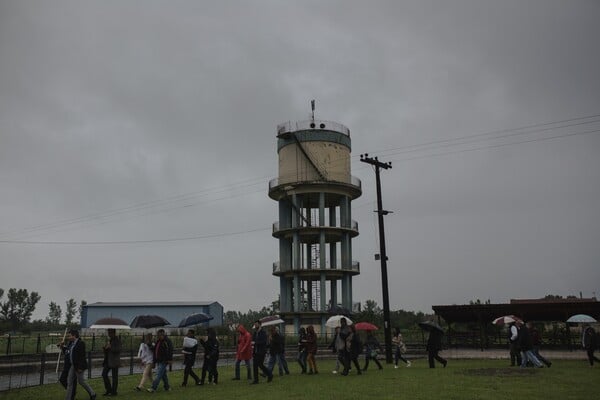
(79, 364)
(434, 345)
(302, 349)
(536, 339)
(589, 342)
(111, 363)
(190, 347)
(526, 345)
(345, 334)
(163, 357)
(277, 352)
(259, 340)
(355, 348)
(372, 347)
(513, 344)
(211, 357)
(64, 375)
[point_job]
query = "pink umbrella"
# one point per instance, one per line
(365, 326)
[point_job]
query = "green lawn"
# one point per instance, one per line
(462, 379)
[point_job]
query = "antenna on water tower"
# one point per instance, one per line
(312, 106)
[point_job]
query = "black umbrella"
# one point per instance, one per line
(195, 319)
(148, 321)
(338, 310)
(431, 326)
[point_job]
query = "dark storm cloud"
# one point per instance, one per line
(147, 120)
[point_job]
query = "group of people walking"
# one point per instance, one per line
(524, 345)
(157, 354)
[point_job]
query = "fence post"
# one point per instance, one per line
(39, 344)
(131, 355)
(8, 349)
(89, 356)
(42, 368)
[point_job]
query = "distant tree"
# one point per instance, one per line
(70, 311)
(19, 306)
(54, 314)
(81, 305)
(1, 292)
(370, 312)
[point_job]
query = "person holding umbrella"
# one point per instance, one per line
(190, 347)
(434, 342)
(163, 357)
(513, 344)
(589, 342)
(259, 340)
(112, 362)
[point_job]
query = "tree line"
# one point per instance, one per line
(17, 309)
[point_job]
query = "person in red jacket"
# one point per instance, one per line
(244, 352)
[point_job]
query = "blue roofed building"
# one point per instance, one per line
(172, 311)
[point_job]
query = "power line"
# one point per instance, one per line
(93, 243)
(171, 202)
(498, 145)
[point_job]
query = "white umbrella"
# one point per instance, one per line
(581, 319)
(273, 322)
(110, 323)
(334, 322)
(506, 319)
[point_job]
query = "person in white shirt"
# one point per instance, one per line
(146, 357)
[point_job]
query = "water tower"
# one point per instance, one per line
(314, 191)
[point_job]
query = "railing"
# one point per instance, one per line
(354, 266)
(354, 181)
(353, 226)
(311, 124)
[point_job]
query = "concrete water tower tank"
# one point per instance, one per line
(314, 191)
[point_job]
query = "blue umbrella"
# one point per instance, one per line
(195, 319)
(581, 318)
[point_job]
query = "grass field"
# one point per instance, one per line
(462, 379)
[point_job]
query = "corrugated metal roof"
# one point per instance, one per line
(151, 304)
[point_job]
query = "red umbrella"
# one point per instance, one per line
(365, 326)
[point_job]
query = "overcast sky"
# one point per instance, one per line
(136, 122)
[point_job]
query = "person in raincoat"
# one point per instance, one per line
(243, 352)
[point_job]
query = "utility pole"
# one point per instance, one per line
(382, 254)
